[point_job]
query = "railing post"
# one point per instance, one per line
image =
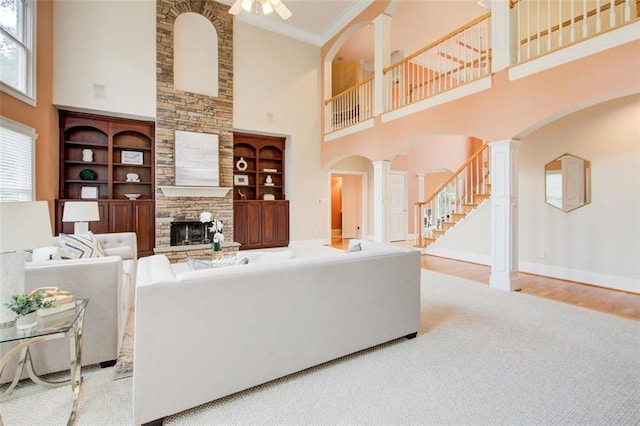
(381, 59)
(504, 41)
(504, 215)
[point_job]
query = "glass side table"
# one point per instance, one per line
(65, 324)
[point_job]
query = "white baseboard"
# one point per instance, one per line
(593, 278)
(460, 255)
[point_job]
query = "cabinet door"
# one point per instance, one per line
(269, 223)
(254, 213)
(144, 227)
(240, 223)
(120, 217)
(247, 224)
(282, 223)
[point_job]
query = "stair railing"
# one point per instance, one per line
(454, 198)
(349, 107)
(460, 57)
(544, 26)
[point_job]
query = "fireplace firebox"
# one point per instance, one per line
(189, 233)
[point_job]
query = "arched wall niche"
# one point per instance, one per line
(195, 44)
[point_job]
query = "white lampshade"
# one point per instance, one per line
(23, 225)
(80, 212)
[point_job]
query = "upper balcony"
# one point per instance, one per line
(518, 37)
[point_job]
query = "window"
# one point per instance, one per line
(17, 153)
(17, 48)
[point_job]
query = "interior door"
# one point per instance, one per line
(398, 207)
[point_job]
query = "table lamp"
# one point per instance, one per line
(23, 225)
(81, 213)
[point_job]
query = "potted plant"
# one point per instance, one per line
(26, 306)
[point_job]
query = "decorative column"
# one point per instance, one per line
(381, 170)
(504, 215)
(417, 218)
(381, 59)
(503, 35)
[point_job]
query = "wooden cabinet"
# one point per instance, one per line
(258, 167)
(260, 224)
(260, 210)
(111, 159)
(119, 216)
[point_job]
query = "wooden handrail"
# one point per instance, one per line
(438, 41)
(453, 176)
(362, 83)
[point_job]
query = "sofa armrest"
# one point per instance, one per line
(99, 279)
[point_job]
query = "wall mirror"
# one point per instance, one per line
(568, 182)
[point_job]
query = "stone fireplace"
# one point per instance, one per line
(192, 112)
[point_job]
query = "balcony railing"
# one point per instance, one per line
(464, 55)
(454, 198)
(544, 26)
(349, 107)
(457, 58)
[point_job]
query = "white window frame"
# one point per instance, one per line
(29, 21)
(8, 124)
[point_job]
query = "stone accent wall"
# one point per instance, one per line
(180, 110)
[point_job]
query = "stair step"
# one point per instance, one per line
(447, 225)
(426, 242)
(481, 197)
(468, 207)
(437, 233)
(457, 217)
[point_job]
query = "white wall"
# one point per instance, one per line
(277, 92)
(109, 43)
(598, 243)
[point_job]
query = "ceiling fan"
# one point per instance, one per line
(267, 6)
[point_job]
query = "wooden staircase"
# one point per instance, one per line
(468, 188)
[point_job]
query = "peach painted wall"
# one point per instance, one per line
(43, 117)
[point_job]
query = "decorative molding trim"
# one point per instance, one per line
(194, 191)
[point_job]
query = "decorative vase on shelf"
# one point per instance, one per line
(87, 155)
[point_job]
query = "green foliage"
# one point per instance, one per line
(23, 304)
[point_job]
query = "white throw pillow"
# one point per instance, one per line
(82, 245)
(44, 254)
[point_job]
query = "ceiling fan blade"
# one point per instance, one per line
(281, 9)
(236, 7)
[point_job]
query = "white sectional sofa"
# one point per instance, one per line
(205, 334)
(108, 281)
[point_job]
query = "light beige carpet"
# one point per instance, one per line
(124, 362)
(482, 357)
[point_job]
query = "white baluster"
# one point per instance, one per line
(627, 10)
(560, 27)
(598, 17)
(549, 25)
(585, 29)
(612, 14)
(572, 33)
(538, 13)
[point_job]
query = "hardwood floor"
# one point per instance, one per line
(612, 302)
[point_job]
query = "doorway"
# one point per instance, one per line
(348, 205)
